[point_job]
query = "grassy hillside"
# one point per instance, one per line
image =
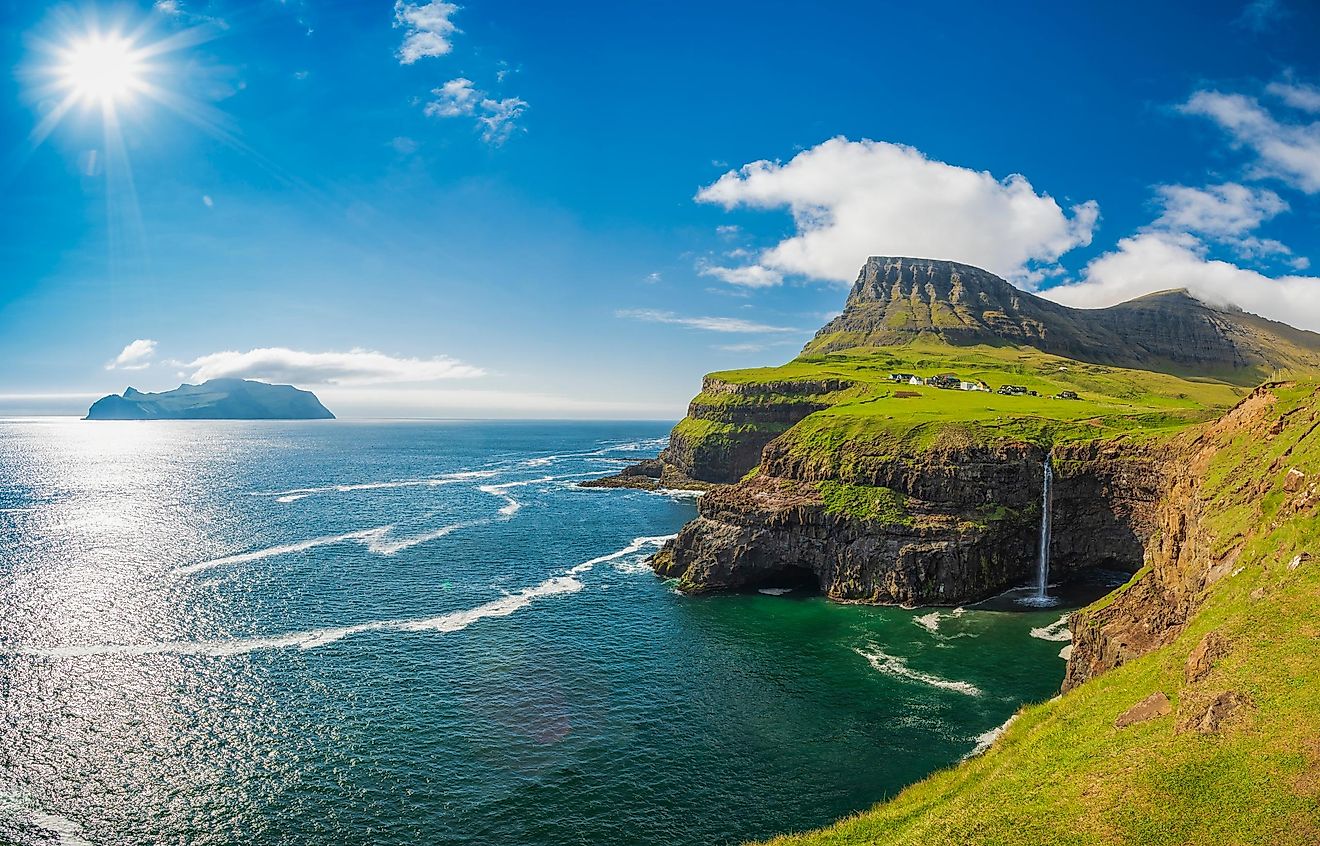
(873, 409)
(1064, 774)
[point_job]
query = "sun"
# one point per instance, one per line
(104, 69)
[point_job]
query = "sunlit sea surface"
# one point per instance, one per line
(403, 633)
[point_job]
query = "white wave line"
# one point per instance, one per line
(377, 540)
(295, 494)
(892, 665)
(1057, 631)
(313, 638)
(986, 739)
(282, 549)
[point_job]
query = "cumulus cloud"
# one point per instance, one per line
(708, 324)
(1225, 214)
(135, 356)
(428, 30)
(1217, 210)
(1296, 94)
(355, 367)
(456, 97)
(1157, 261)
(748, 275)
(1284, 150)
(496, 118)
(853, 199)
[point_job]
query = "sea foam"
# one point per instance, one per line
(452, 621)
(1056, 631)
(892, 665)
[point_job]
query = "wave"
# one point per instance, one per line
(378, 540)
(295, 494)
(1057, 631)
(637, 545)
(931, 623)
(313, 638)
(282, 549)
(774, 591)
(892, 665)
(453, 621)
(986, 739)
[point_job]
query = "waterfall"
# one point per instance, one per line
(1046, 502)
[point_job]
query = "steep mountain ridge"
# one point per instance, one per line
(897, 300)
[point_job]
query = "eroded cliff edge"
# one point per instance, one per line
(1220, 487)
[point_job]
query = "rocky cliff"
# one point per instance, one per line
(1209, 498)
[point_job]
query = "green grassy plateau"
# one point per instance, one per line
(885, 415)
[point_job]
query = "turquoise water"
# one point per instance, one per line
(397, 633)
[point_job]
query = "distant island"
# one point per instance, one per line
(216, 399)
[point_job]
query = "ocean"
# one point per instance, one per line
(348, 632)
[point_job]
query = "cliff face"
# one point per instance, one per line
(908, 533)
(728, 424)
(1209, 503)
(964, 521)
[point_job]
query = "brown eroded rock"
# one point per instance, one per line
(1155, 705)
(1202, 659)
(1292, 483)
(1207, 714)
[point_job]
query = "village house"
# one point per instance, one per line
(903, 378)
(1070, 395)
(948, 381)
(1013, 390)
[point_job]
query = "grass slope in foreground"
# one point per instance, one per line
(1064, 774)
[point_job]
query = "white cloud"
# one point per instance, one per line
(1218, 210)
(459, 97)
(135, 356)
(456, 97)
(749, 276)
(167, 7)
(355, 367)
(1295, 94)
(1158, 261)
(1225, 214)
(498, 118)
(428, 30)
(1287, 151)
(854, 199)
(709, 324)
(404, 145)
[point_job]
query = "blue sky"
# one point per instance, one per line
(518, 209)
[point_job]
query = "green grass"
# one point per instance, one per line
(872, 412)
(864, 502)
(1063, 774)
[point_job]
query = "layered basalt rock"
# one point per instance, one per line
(970, 525)
(769, 531)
